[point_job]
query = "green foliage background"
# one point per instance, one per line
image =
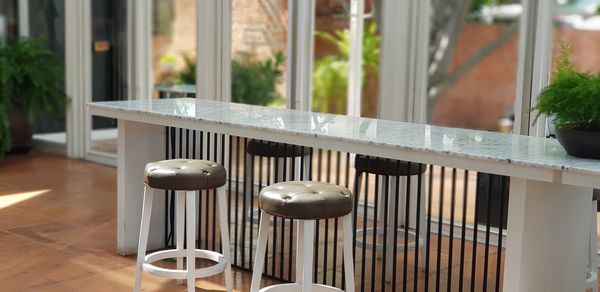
(572, 98)
(330, 74)
(29, 79)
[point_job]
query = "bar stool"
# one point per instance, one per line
(283, 154)
(393, 168)
(185, 176)
(306, 201)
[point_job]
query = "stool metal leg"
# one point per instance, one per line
(179, 227)
(308, 240)
(143, 240)
(348, 261)
(224, 225)
(299, 252)
(191, 240)
(391, 240)
(261, 249)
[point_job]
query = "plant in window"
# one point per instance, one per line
(573, 100)
(252, 82)
(330, 74)
(29, 85)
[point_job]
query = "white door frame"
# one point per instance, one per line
(535, 57)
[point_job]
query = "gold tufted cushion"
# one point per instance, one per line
(306, 200)
(272, 149)
(184, 174)
(383, 166)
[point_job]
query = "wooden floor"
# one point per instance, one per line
(58, 230)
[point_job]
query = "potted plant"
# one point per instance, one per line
(29, 85)
(573, 100)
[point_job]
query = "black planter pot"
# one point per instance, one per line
(578, 143)
(21, 132)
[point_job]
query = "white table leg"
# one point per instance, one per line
(138, 144)
(548, 229)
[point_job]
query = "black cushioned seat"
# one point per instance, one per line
(184, 174)
(383, 166)
(306, 200)
(273, 149)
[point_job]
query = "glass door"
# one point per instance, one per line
(108, 69)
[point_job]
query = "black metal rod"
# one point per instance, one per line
(464, 230)
(418, 228)
(429, 206)
(375, 233)
(488, 223)
(247, 176)
(237, 199)
(395, 224)
(451, 237)
(406, 226)
(474, 242)
(440, 225)
(500, 234)
(365, 220)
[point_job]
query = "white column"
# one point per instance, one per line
(548, 230)
(301, 26)
(23, 18)
(357, 10)
(213, 50)
(140, 52)
(138, 144)
(404, 59)
(77, 74)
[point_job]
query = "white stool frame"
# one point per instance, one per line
(304, 257)
(401, 218)
(187, 200)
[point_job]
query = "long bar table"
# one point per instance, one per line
(548, 221)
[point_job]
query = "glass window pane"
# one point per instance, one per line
(174, 48)
(473, 63)
(259, 52)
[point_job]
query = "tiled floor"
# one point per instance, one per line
(58, 230)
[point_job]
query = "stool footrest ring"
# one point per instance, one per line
(217, 268)
(294, 287)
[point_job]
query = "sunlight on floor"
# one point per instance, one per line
(11, 199)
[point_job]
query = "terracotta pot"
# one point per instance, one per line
(579, 143)
(21, 132)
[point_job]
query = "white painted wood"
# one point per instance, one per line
(224, 226)
(138, 145)
(308, 240)
(535, 54)
(150, 268)
(549, 229)
(355, 62)
(261, 249)
(299, 252)
(348, 260)
(143, 236)
(592, 267)
(23, 19)
(179, 227)
(301, 25)
(141, 49)
(190, 206)
(213, 49)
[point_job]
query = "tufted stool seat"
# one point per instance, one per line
(184, 174)
(306, 200)
(187, 177)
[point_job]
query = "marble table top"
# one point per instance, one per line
(540, 153)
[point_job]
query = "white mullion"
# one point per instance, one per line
(78, 75)
(213, 50)
(535, 54)
(357, 9)
(300, 48)
(142, 27)
(23, 18)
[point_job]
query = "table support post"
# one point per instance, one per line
(548, 229)
(138, 144)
